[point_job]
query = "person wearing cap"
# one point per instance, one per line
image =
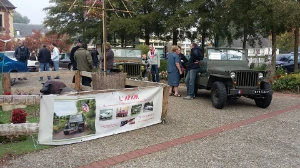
(84, 63)
(74, 49)
(44, 58)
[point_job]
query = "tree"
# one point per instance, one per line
(10, 45)
(285, 42)
(34, 42)
(18, 18)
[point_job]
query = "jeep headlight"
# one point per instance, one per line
(120, 67)
(260, 75)
(232, 75)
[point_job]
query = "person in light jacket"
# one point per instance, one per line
(55, 58)
(154, 61)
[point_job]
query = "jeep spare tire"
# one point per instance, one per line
(267, 98)
(218, 95)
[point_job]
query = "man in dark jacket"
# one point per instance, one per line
(95, 54)
(44, 58)
(74, 49)
(193, 69)
(22, 54)
(84, 63)
(109, 58)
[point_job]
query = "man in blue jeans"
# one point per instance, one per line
(154, 61)
(193, 69)
(44, 58)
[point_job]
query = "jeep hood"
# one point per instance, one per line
(229, 68)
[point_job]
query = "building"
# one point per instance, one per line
(23, 30)
(6, 18)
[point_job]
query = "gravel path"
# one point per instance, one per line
(184, 118)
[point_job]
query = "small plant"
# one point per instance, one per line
(18, 116)
(7, 93)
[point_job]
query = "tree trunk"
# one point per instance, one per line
(296, 45)
(175, 33)
(147, 36)
(203, 40)
(245, 36)
(273, 63)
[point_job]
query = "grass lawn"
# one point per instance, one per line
(10, 148)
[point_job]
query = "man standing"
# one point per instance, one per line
(154, 61)
(55, 58)
(22, 54)
(95, 54)
(84, 63)
(44, 58)
(74, 49)
(193, 69)
(109, 58)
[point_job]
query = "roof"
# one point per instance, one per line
(7, 4)
(26, 29)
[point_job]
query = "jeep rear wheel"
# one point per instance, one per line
(267, 99)
(218, 95)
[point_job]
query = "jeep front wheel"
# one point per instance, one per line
(267, 98)
(218, 95)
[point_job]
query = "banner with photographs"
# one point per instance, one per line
(72, 119)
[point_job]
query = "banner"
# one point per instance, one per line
(67, 119)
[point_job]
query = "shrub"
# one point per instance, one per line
(91, 125)
(163, 65)
(143, 48)
(18, 116)
(289, 82)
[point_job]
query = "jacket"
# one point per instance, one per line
(196, 55)
(74, 49)
(44, 55)
(18, 51)
(84, 60)
(110, 56)
(153, 58)
(94, 54)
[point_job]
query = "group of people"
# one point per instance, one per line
(178, 67)
(83, 60)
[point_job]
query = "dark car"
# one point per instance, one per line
(75, 123)
(286, 61)
(64, 61)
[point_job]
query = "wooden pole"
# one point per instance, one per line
(77, 80)
(104, 35)
(6, 83)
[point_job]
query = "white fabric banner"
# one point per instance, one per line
(71, 119)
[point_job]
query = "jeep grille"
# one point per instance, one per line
(132, 70)
(246, 79)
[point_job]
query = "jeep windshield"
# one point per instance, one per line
(76, 118)
(226, 54)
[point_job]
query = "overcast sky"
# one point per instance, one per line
(33, 9)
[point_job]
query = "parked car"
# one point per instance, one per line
(10, 65)
(149, 107)
(33, 66)
(64, 61)
(122, 113)
(106, 115)
(286, 61)
(226, 73)
(75, 123)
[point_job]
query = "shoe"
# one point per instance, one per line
(188, 98)
(20, 78)
(49, 77)
(57, 77)
(41, 79)
(24, 78)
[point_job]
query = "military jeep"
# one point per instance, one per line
(75, 123)
(226, 73)
(130, 61)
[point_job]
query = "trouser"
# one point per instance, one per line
(155, 73)
(44, 67)
(190, 80)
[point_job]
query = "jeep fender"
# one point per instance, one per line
(216, 77)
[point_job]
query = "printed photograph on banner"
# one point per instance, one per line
(106, 114)
(73, 118)
(136, 109)
(122, 112)
(131, 121)
(123, 123)
(148, 107)
(128, 122)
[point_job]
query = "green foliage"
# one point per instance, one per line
(18, 18)
(163, 65)
(143, 48)
(285, 42)
(287, 83)
(261, 68)
(91, 125)
(280, 72)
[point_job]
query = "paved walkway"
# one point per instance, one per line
(156, 148)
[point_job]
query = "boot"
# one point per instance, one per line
(41, 79)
